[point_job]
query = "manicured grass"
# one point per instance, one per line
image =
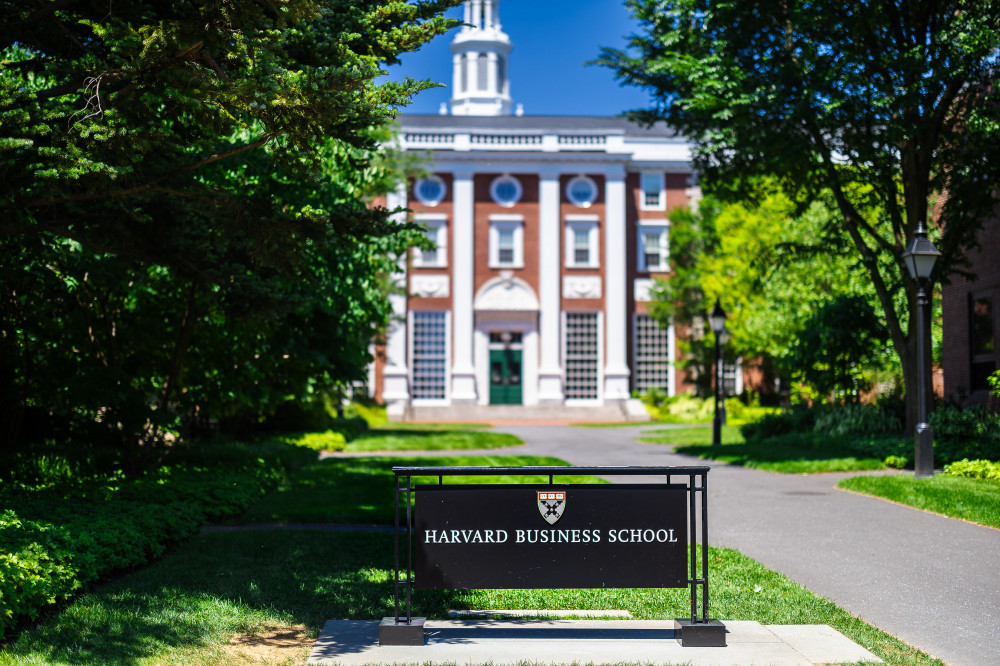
(975, 500)
(431, 438)
(768, 455)
(359, 490)
(185, 608)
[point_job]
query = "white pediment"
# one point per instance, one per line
(506, 293)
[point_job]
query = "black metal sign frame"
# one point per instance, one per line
(697, 484)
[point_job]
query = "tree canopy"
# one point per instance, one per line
(770, 266)
(890, 106)
(186, 192)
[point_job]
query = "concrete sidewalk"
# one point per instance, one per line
(929, 580)
(351, 642)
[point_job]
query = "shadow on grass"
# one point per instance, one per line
(219, 585)
(184, 608)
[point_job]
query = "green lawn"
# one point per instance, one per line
(185, 608)
(769, 456)
(436, 437)
(975, 500)
(359, 490)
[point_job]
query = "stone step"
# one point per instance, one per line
(611, 413)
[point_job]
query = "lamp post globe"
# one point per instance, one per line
(920, 256)
(717, 318)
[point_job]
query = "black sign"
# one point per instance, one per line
(550, 536)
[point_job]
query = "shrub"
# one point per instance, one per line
(857, 419)
(972, 433)
(60, 533)
(320, 441)
(974, 469)
(795, 420)
(896, 462)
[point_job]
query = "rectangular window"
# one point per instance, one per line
(652, 354)
(505, 246)
(581, 241)
(436, 229)
(581, 355)
(506, 241)
(430, 356)
(982, 342)
(653, 246)
(581, 246)
(653, 196)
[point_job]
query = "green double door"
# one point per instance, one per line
(505, 376)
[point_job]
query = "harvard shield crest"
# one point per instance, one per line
(551, 504)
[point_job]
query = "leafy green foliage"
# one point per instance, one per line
(59, 534)
(974, 469)
(320, 441)
(885, 107)
(190, 237)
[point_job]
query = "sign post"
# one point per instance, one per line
(551, 536)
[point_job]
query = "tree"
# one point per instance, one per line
(889, 106)
(768, 266)
(184, 195)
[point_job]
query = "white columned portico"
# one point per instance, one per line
(616, 372)
(550, 372)
(396, 392)
(463, 373)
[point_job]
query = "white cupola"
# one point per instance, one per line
(480, 86)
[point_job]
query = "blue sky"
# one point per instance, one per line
(552, 40)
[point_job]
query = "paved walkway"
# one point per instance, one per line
(932, 581)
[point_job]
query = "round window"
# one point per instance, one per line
(429, 191)
(506, 190)
(582, 191)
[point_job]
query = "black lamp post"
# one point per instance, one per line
(919, 257)
(718, 320)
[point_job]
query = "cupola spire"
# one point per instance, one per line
(480, 50)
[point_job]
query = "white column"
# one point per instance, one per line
(477, 13)
(457, 84)
(488, 14)
(471, 72)
(467, 16)
(616, 370)
(550, 372)
(395, 391)
(463, 377)
(491, 72)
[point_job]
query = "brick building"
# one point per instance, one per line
(548, 232)
(970, 321)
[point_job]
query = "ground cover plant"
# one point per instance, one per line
(359, 490)
(975, 500)
(188, 607)
(68, 519)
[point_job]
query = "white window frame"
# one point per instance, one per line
(590, 224)
(648, 226)
(437, 231)
(582, 203)
(563, 357)
(506, 178)
(410, 333)
(514, 223)
(430, 202)
(670, 357)
(662, 182)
